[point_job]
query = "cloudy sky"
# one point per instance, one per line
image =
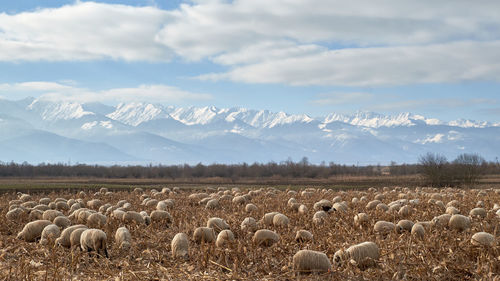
(436, 58)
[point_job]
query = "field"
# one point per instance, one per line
(443, 254)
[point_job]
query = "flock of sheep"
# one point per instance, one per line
(82, 221)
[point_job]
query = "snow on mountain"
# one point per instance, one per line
(370, 119)
(52, 111)
(137, 113)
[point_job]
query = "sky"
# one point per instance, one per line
(439, 59)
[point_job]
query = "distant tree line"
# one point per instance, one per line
(436, 170)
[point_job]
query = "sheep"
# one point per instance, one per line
(180, 246)
(478, 212)
(248, 225)
(280, 220)
(459, 222)
(204, 234)
(217, 224)
(50, 215)
(123, 238)
(303, 209)
(44, 201)
(74, 238)
(62, 222)
(29, 204)
(224, 238)
(95, 204)
(33, 230)
(104, 207)
(382, 207)
(133, 217)
(267, 219)
(250, 208)
(418, 230)
(291, 201)
(405, 211)
(64, 238)
(94, 240)
(441, 221)
(151, 203)
(265, 237)
(97, 220)
(41, 207)
(63, 206)
(385, 227)
(118, 214)
(452, 210)
(239, 200)
(25, 197)
(212, 204)
(49, 233)
(161, 216)
(406, 225)
(307, 261)
(361, 219)
(483, 239)
(15, 214)
(83, 215)
(323, 204)
(372, 204)
(303, 236)
(339, 207)
(363, 255)
(319, 217)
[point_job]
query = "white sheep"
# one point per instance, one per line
(307, 261)
(267, 219)
(161, 217)
(49, 233)
(74, 238)
(372, 204)
(385, 227)
(133, 217)
(478, 212)
(15, 214)
(406, 225)
(459, 222)
(441, 221)
(248, 225)
(361, 219)
(452, 210)
(64, 238)
(249, 208)
(94, 240)
(123, 238)
(62, 222)
(483, 239)
(303, 209)
(204, 234)
(303, 236)
(323, 205)
(265, 237)
(280, 220)
(180, 246)
(217, 224)
(33, 230)
(418, 230)
(212, 204)
(50, 215)
(225, 238)
(363, 255)
(97, 220)
(319, 217)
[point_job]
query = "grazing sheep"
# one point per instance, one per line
(267, 219)
(224, 238)
(63, 206)
(104, 207)
(83, 215)
(239, 200)
(35, 215)
(319, 217)
(441, 221)
(118, 214)
(97, 220)
(15, 214)
(418, 230)
(204, 234)
(49, 233)
(452, 210)
(62, 222)
(94, 240)
(265, 237)
(361, 219)
(405, 211)
(382, 207)
(459, 222)
(64, 239)
(339, 207)
(483, 239)
(25, 197)
(303, 236)
(50, 215)
(385, 227)
(33, 230)
(291, 201)
(303, 209)
(41, 207)
(123, 238)
(372, 204)
(74, 238)
(324, 205)
(308, 261)
(212, 204)
(28, 204)
(249, 208)
(75, 207)
(95, 204)
(133, 217)
(151, 203)
(44, 201)
(217, 224)
(280, 220)
(248, 225)
(363, 254)
(161, 206)
(180, 246)
(161, 217)
(478, 212)
(294, 207)
(406, 225)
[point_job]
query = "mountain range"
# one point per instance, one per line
(44, 131)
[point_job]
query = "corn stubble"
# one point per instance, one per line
(441, 255)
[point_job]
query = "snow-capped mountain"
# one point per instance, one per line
(36, 131)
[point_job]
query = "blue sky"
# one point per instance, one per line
(440, 59)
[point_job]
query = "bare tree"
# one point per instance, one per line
(434, 168)
(468, 168)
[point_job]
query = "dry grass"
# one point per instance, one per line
(443, 255)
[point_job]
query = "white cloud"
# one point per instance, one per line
(62, 92)
(342, 98)
(437, 138)
(83, 31)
